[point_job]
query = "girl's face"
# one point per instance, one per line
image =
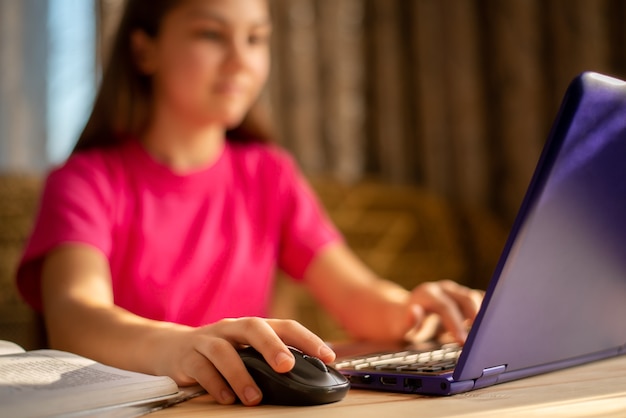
(209, 60)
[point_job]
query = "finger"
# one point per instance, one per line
(426, 326)
(220, 363)
(297, 335)
(432, 297)
(257, 333)
(469, 300)
(206, 375)
(290, 333)
(271, 337)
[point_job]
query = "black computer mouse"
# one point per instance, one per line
(310, 382)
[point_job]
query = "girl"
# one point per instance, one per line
(157, 241)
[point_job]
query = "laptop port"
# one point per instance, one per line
(388, 381)
(412, 383)
(362, 380)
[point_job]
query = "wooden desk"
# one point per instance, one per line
(597, 389)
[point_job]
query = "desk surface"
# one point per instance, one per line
(596, 389)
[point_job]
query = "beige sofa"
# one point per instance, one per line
(19, 196)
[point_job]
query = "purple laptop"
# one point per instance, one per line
(558, 295)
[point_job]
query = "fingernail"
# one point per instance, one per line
(251, 394)
(227, 397)
(326, 352)
(283, 357)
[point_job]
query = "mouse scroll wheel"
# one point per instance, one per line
(316, 362)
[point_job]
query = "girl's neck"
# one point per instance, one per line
(184, 149)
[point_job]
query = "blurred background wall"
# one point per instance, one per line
(443, 105)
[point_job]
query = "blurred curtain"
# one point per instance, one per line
(46, 80)
(23, 105)
(454, 96)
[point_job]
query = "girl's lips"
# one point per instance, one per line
(229, 89)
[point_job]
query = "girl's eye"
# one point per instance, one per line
(210, 34)
(258, 39)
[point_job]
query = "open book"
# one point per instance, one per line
(44, 383)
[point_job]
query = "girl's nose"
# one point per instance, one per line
(236, 56)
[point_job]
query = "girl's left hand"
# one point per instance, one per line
(443, 307)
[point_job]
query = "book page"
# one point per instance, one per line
(8, 347)
(48, 382)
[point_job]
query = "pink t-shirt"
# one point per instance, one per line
(190, 249)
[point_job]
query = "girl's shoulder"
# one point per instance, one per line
(264, 168)
(261, 156)
(91, 160)
(102, 168)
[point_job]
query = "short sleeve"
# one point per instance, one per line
(306, 227)
(74, 208)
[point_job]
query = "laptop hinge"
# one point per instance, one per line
(489, 376)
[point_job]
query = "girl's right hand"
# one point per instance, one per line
(81, 317)
(208, 355)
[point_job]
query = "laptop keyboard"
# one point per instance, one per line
(437, 361)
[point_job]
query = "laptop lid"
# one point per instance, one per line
(558, 294)
(557, 297)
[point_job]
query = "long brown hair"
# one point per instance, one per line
(122, 105)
